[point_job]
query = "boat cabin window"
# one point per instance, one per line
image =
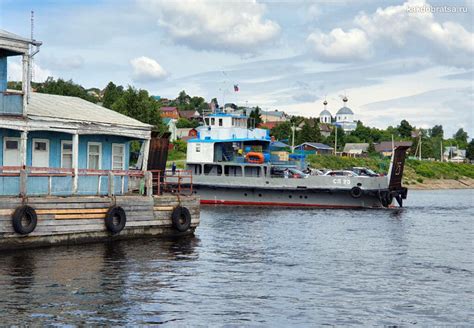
(207, 120)
(213, 121)
(196, 169)
(211, 169)
(220, 122)
(233, 170)
(252, 171)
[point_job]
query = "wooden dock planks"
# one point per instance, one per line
(84, 216)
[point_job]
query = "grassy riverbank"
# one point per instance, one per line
(418, 174)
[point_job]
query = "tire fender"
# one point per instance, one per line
(356, 192)
(115, 219)
(20, 215)
(181, 218)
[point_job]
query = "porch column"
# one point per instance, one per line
(75, 162)
(146, 150)
(23, 171)
(25, 82)
(23, 148)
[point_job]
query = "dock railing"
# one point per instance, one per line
(39, 181)
(177, 182)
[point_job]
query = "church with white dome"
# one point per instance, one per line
(344, 117)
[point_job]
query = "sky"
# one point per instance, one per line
(393, 60)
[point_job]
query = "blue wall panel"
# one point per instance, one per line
(63, 185)
(3, 74)
(55, 139)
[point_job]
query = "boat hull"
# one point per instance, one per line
(285, 198)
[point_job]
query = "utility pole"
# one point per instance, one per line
(441, 150)
(420, 148)
(293, 128)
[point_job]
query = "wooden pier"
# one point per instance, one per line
(69, 220)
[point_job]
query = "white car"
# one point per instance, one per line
(341, 173)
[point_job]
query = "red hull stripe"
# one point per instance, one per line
(234, 202)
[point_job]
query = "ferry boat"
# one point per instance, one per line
(233, 165)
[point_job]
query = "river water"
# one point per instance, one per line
(262, 267)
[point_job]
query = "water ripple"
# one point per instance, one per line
(261, 267)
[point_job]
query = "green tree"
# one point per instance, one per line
(470, 150)
(461, 137)
(330, 141)
(183, 99)
(371, 150)
(139, 105)
(282, 131)
(185, 123)
(14, 85)
(64, 88)
(309, 132)
(111, 94)
(437, 131)
(405, 129)
(255, 117)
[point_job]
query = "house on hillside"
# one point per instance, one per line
(355, 149)
(315, 148)
(268, 125)
(189, 114)
(70, 134)
(186, 133)
(454, 154)
(325, 129)
(273, 116)
(169, 112)
(385, 148)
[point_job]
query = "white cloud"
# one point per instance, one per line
(147, 70)
(339, 45)
(403, 23)
(39, 74)
(402, 26)
(228, 26)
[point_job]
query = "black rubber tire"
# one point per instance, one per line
(21, 213)
(181, 218)
(115, 219)
(386, 199)
(356, 192)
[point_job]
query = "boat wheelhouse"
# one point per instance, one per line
(224, 138)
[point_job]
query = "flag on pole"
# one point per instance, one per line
(236, 87)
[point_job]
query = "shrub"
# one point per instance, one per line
(420, 180)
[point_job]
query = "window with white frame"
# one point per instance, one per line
(66, 154)
(118, 157)
(94, 155)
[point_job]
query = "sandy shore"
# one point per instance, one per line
(432, 184)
